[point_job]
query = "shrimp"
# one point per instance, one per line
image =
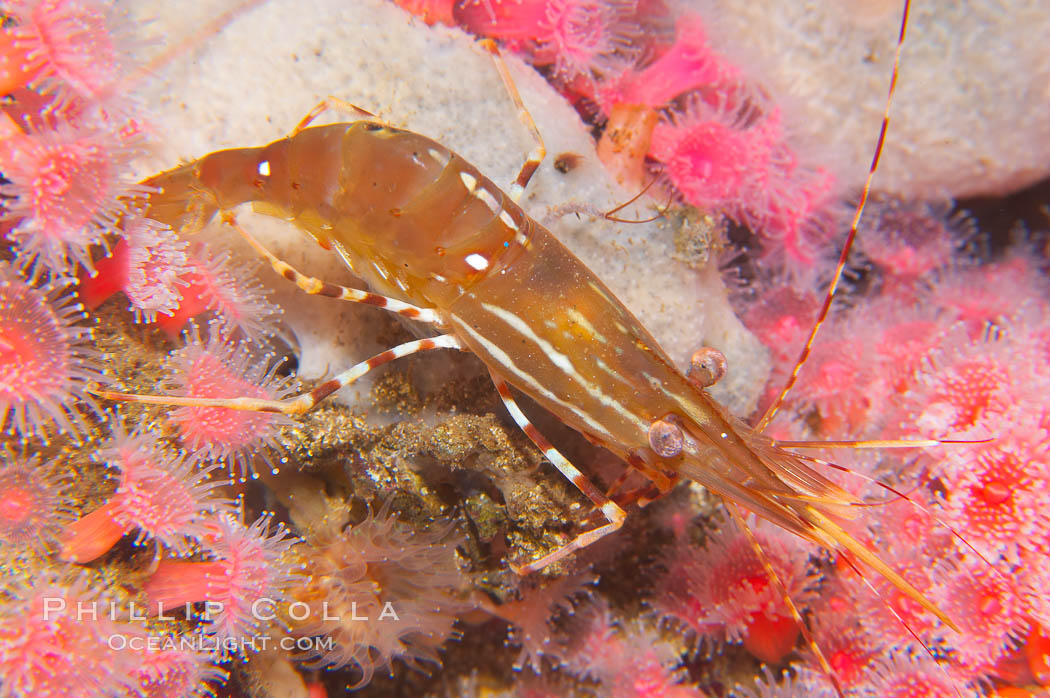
(440, 243)
(447, 247)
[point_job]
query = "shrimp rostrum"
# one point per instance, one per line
(444, 245)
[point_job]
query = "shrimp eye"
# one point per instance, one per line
(665, 438)
(707, 367)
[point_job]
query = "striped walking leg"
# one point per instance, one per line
(317, 287)
(609, 509)
(539, 151)
(300, 403)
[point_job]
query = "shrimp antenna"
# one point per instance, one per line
(902, 495)
(844, 255)
(785, 596)
(610, 215)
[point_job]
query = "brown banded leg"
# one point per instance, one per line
(300, 403)
(660, 482)
(647, 494)
(612, 512)
(317, 287)
(659, 485)
(331, 103)
(644, 495)
(618, 482)
(532, 162)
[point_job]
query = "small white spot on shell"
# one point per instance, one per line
(508, 220)
(264, 168)
(469, 180)
(486, 197)
(477, 261)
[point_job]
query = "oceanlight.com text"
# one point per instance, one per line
(197, 642)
